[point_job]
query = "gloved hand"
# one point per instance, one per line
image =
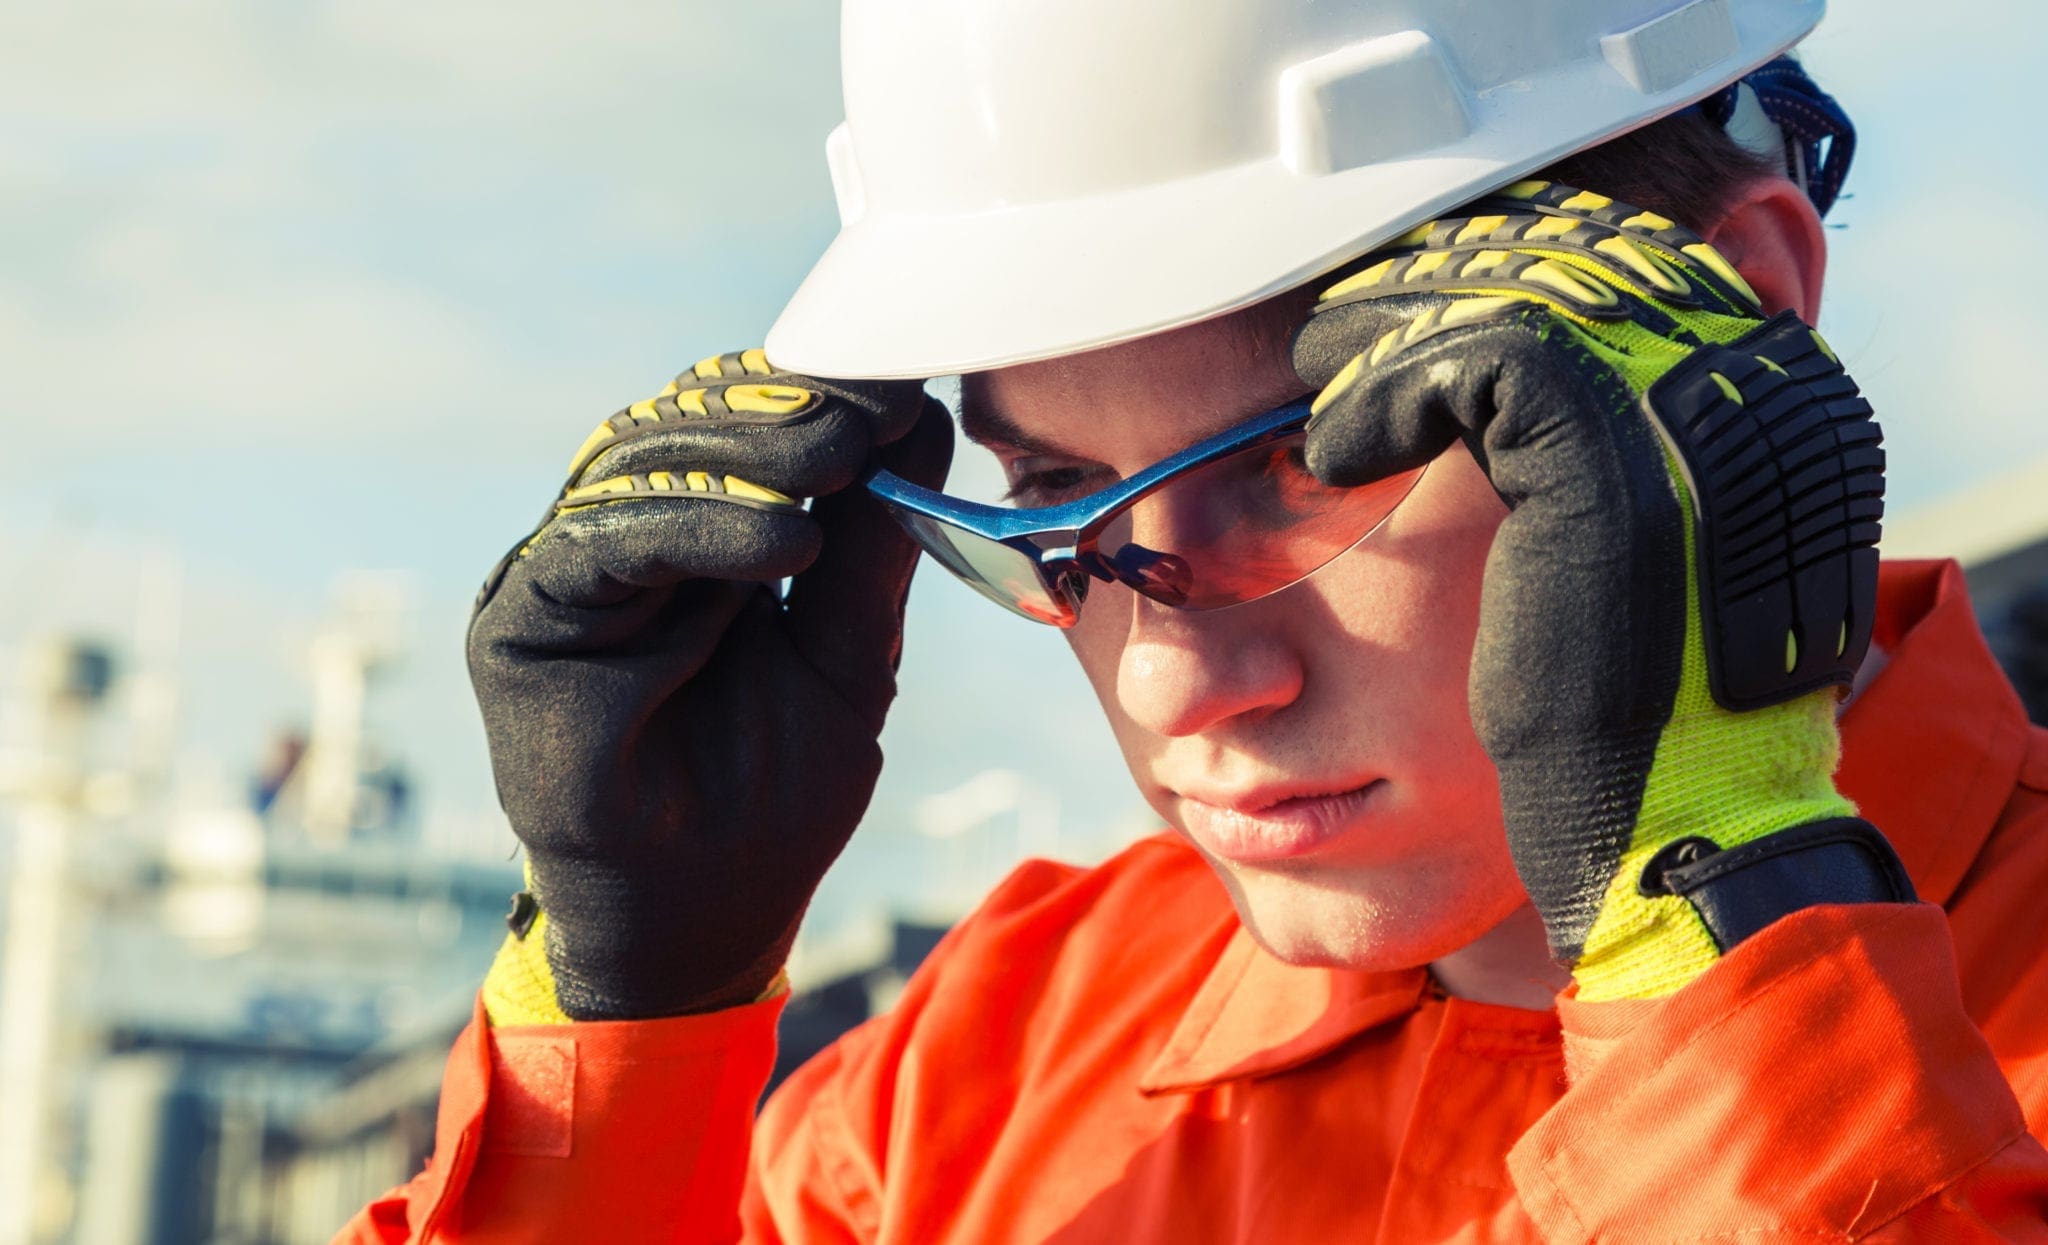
(682, 752)
(1684, 583)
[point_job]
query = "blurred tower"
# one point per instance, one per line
(66, 684)
(330, 795)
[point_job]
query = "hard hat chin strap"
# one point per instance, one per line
(1779, 112)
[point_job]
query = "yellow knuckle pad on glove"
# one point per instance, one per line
(728, 431)
(719, 388)
(1636, 267)
(658, 484)
(663, 486)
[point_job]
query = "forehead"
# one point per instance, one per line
(1168, 389)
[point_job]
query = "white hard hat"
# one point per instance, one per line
(1020, 179)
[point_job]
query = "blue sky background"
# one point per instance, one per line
(292, 288)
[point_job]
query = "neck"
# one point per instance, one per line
(1509, 965)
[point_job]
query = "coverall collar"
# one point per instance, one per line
(1254, 1015)
(1938, 811)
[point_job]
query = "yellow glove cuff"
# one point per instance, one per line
(520, 988)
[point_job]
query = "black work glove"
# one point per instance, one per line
(682, 751)
(1685, 581)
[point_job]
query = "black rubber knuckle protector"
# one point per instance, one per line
(1740, 891)
(1787, 476)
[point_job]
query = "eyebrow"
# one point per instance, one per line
(984, 425)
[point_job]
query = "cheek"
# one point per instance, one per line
(1407, 600)
(1098, 641)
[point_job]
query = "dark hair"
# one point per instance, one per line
(1684, 167)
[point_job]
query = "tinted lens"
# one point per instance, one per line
(996, 571)
(1242, 527)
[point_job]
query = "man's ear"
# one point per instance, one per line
(1773, 236)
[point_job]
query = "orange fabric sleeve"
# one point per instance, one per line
(645, 1130)
(615, 1131)
(1822, 1081)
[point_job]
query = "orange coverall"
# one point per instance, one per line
(1104, 1055)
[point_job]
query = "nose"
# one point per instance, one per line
(1184, 672)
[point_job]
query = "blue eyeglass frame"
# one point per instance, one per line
(1060, 540)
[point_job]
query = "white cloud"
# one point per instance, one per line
(192, 360)
(119, 62)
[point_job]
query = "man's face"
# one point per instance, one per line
(1314, 745)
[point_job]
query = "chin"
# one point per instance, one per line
(1373, 920)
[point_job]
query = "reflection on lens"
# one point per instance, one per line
(1164, 577)
(1242, 527)
(1002, 574)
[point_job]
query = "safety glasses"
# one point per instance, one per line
(1228, 520)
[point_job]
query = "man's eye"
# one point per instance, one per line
(1050, 486)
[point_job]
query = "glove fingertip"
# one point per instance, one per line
(904, 412)
(923, 453)
(890, 407)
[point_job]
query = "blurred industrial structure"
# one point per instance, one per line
(189, 973)
(224, 1010)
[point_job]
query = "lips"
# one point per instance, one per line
(1257, 827)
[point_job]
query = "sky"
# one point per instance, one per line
(291, 289)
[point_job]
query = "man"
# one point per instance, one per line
(1544, 911)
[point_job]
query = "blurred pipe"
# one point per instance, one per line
(152, 685)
